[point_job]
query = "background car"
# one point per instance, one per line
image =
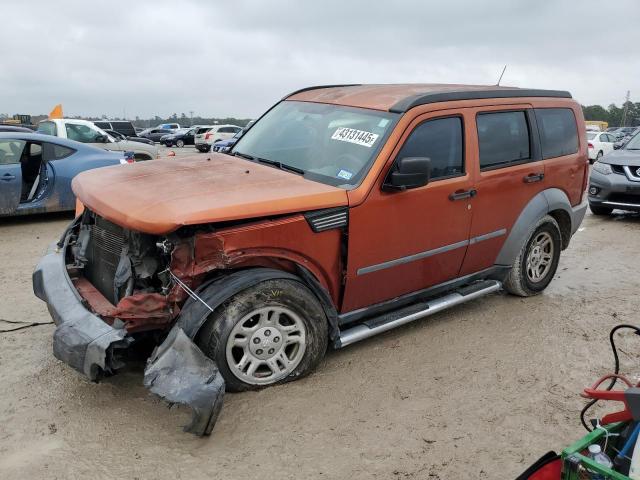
(599, 144)
(120, 136)
(224, 146)
(36, 171)
(155, 134)
(14, 128)
(84, 131)
(121, 126)
(180, 138)
(215, 134)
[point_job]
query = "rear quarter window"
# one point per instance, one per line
(558, 131)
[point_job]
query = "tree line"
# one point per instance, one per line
(613, 114)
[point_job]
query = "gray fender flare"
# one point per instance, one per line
(539, 206)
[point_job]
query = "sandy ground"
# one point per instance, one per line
(477, 392)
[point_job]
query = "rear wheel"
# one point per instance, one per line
(600, 210)
(537, 262)
(271, 333)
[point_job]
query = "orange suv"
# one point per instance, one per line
(343, 212)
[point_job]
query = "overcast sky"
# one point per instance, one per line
(238, 57)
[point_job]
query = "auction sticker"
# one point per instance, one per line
(351, 135)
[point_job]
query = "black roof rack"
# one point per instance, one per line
(435, 97)
(317, 87)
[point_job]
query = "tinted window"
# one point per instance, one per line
(503, 138)
(55, 152)
(11, 151)
(48, 128)
(441, 141)
(202, 130)
(126, 128)
(558, 131)
(226, 130)
(103, 125)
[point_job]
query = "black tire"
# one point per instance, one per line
(597, 210)
(180, 143)
(518, 281)
(290, 294)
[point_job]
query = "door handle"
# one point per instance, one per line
(533, 177)
(462, 194)
(8, 177)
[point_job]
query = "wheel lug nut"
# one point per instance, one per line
(256, 340)
(271, 350)
(276, 339)
(267, 333)
(259, 351)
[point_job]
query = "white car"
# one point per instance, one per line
(208, 135)
(84, 131)
(599, 144)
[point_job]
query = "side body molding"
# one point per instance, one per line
(539, 206)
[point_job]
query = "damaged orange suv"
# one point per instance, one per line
(343, 212)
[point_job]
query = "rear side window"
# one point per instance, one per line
(103, 125)
(55, 152)
(125, 128)
(48, 128)
(558, 131)
(441, 141)
(503, 138)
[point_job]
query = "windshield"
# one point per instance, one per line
(328, 143)
(634, 143)
(591, 136)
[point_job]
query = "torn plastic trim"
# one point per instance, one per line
(179, 372)
(81, 339)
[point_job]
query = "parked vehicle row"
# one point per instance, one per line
(207, 135)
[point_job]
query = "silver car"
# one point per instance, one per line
(614, 182)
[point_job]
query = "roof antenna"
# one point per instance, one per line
(498, 84)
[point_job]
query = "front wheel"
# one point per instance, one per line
(271, 333)
(537, 262)
(180, 143)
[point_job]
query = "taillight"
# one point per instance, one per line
(208, 136)
(590, 145)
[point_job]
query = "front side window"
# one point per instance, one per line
(331, 144)
(441, 141)
(558, 131)
(503, 138)
(47, 128)
(81, 133)
(11, 151)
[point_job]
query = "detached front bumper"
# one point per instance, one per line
(177, 371)
(82, 339)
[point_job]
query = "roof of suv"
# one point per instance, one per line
(401, 97)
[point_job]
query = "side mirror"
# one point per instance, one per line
(617, 146)
(408, 172)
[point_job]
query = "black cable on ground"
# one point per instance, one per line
(616, 368)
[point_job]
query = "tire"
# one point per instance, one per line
(521, 279)
(239, 335)
(600, 210)
(180, 143)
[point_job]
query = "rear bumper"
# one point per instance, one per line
(577, 215)
(81, 339)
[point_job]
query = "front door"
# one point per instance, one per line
(10, 174)
(511, 173)
(405, 241)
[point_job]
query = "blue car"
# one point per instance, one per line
(36, 171)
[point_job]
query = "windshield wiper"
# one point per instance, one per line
(243, 155)
(281, 165)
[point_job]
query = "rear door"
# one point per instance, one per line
(511, 172)
(10, 174)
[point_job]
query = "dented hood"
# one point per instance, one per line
(159, 196)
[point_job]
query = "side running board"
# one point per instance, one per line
(405, 315)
